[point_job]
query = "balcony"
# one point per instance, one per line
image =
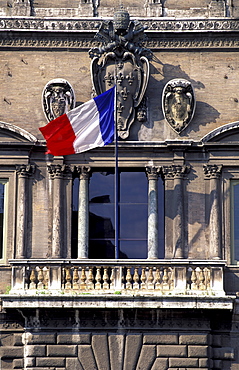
(117, 284)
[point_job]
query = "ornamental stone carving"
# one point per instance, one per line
(178, 103)
(122, 61)
(58, 97)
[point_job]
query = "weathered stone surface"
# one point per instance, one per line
(64, 351)
(204, 362)
(30, 361)
(193, 339)
(17, 340)
(174, 351)
(50, 361)
(183, 362)
(133, 345)
(73, 364)
(101, 351)
(224, 353)
(74, 338)
(197, 351)
(160, 364)
(116, 346)
(86, 357)
(160, 339)
(35, 350)
(11, 352)
(43, 338)
(18, 364)
(146, 358)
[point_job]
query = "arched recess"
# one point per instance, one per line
(10, 132)
(225, 133)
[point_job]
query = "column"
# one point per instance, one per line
(177, 173)
(56, 173)
(213, 173)
(23, 172)
(83, 212)
(152, 175)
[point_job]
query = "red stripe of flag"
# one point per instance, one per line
(59, 136)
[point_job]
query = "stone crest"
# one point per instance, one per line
(58, 97)
(121, 61)
(178, 103)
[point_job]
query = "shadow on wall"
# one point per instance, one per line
(204, 112)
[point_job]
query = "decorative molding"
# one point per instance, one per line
(175, 171)
(212, 171)
(91, 24)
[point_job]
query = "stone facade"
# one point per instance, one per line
(176, 308)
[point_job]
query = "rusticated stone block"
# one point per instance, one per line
(171, 351)
(86, 357)
(17, 340)
(36, 350)
(160, 339)
(116, 346)
(217, 340)
(183, 362)
(197, 351)
(101, 350)
(217, 364)
(30, 361)
(64, 351)
(11, 352)
(203, 362)
(132, 349)
(73, 364)
(74, 339)
(43, 338)
(224, 353)
(160, 364)
(50, 361)
(17, 363)
(147, 357)
(193, 339)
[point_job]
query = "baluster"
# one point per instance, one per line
(112, 278)
(201, 279)
(150, 278)
(33, 279)
(208, 278)
(143, 279)
(157, 279)
(105, 279)
(83, 279)
(46, 278)
(194, 280)
(90, 279)
(68, 278)
(40, 284)
(128, 279)
(75, 278)
(165, 279)
(98, 279)
(136, 279)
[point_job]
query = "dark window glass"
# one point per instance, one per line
(133, 214)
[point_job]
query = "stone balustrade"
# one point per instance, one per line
(143, 277)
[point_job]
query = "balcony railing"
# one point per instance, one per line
(141, 277)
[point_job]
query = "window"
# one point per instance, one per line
(133, 215)
(3, 209)
(234, 222)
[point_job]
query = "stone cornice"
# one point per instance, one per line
(75, 33)
(92, 24)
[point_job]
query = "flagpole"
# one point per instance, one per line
(116, 181)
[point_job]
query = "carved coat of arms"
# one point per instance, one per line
(178, 103)
(58, 97)
(121, 61)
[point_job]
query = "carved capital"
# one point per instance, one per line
(212, 171)
(175, 171)
(84, 172)
(152, 172)
(57, 170)
(24, 170)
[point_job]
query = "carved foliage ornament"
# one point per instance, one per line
(178, 103)
(58, 97)
(121, 61)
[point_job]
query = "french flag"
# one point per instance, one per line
(85, 127)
